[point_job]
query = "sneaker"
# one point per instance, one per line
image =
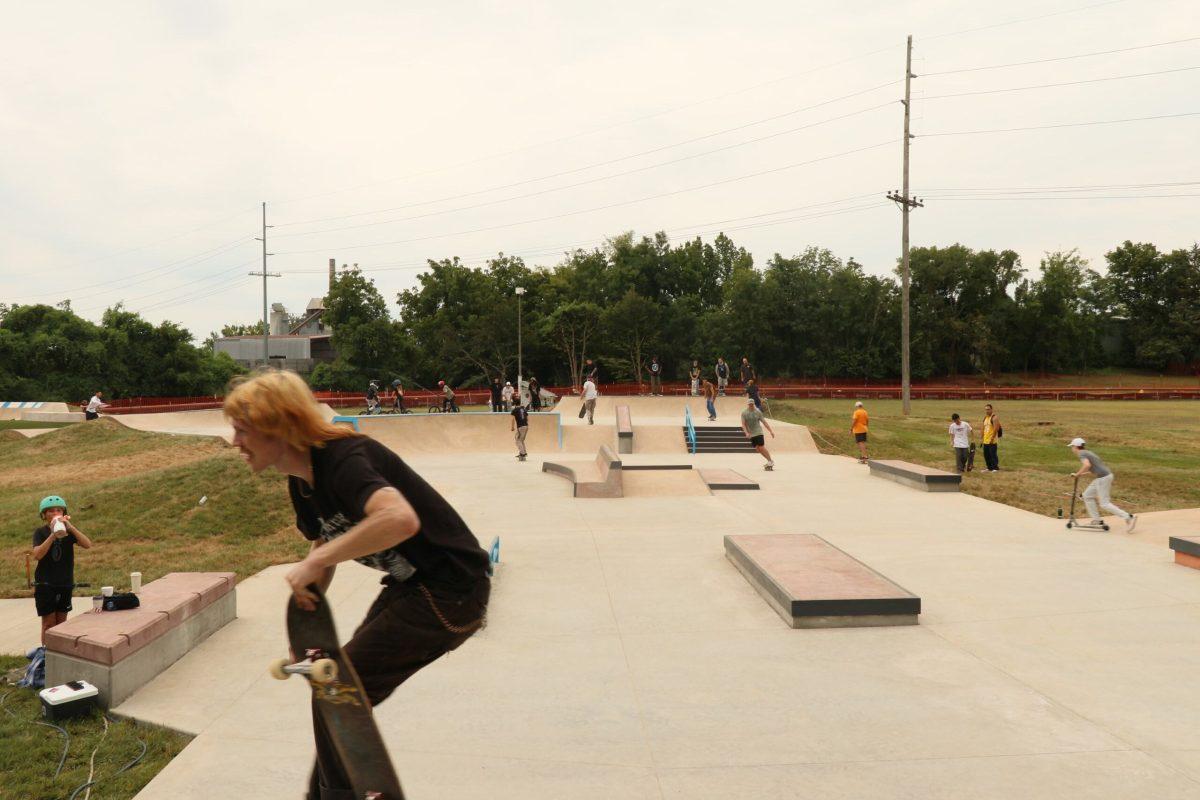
(1131, 523)
(770, 463)
(1097, 522)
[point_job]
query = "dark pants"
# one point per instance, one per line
(400, 634)
(991, 457)
(960, 458)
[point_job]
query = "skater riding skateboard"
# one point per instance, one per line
(339, 699)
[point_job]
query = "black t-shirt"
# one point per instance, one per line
(521, 415)
(57, 567)
(346, 472)
(495, 393)
(722, 370)
(655, 368)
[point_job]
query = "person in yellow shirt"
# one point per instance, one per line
(992, 431)
(858, 427)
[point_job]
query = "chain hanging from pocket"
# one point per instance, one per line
(447, 624)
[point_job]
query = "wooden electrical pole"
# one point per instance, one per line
(906, 204)
(265, 275)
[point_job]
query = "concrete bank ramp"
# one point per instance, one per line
(468, 432)
(206, 422)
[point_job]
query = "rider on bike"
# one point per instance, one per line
(373, 406)
(448, 404)
(398, 398)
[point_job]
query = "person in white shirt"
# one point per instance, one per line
(960, 440)
(94, 405)
(506, 395)
(589, 399)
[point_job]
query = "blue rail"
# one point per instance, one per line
(691, 429)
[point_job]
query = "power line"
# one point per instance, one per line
(659, 196)
(1098, 187)
(566, 247)
(176, 287)
(611, 161)
(1058, 58)
(1056, 85)
(188, 298)
(1058, 197)
(1023, 19)
(589, 181)
(1062, 125)
(179, 264)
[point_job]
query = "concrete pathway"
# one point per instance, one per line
(626, 658)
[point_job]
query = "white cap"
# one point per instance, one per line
(750, 400)
(858, 404)
(1077, 442)
(508, 383)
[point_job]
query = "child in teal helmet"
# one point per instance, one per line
(54, 548)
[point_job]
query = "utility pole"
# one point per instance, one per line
(265, 275)
(906, 204)
(520, 292)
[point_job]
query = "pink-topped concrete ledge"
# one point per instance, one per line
(812, 584)
(120, 651)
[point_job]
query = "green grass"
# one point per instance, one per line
(1152, 447)
(13, 424)
(137, 495)
(29, 753)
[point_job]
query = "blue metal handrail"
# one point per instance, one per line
(691, 429)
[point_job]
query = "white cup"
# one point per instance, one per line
(58, 526)
(106, 591)
(135, 582)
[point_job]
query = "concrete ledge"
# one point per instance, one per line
(726, 479)
(916, 476)
(1187, 550)
(53, 416)
(652, 467)
(624, 430)
(118, 682)
(120, 651)
(812, 584)
(600, 477)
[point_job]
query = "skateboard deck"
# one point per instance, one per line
(971, 458)
(339, 698)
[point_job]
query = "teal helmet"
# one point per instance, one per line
(52, 501)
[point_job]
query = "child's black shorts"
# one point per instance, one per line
(49, 599)
(757, 441)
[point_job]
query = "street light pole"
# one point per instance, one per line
(520, 291)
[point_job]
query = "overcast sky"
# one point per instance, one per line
(138, 140)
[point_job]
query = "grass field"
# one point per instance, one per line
(137, 495)
(1152, 447)
(30, 753)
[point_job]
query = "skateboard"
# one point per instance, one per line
(768, 468)
(971, 458)
(339, 698)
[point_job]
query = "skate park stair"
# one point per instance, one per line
(726, 479)
(927, 479)
(624, 430)
(119, 652)
(1187, 550)
(719, 439)
(812, 584)
(600, 477)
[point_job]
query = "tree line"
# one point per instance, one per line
(810, 316)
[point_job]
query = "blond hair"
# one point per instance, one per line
(279, 403)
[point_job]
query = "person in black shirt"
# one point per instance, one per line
(373, 398)
(356, 499)
(497, 392)
(535, 394)
(655, 377)
(520, 424)
(54, 548)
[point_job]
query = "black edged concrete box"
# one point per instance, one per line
(119, 652)
(600, 477)
(624, 431)
(812, 584)
(927, 479)
(726, 480)
(1187, 550)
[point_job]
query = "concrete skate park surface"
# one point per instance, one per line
(206, 422)
(625, 657)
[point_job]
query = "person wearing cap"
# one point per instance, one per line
(858, 427)
(506, 395)
(54, 549)
(1101, 486)
(753, 422)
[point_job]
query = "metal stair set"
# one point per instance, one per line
(719, 439)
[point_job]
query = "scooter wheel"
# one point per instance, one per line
(1070, 525)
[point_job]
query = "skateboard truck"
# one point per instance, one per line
(316, 665)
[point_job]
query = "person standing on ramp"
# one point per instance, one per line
(357, 500)
(753, 422)
(519, 427)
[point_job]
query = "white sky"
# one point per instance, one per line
(137, 140)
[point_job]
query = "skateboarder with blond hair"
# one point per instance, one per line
(357, 500)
